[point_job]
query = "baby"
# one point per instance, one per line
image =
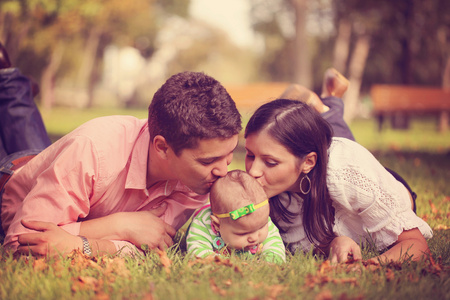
(237, 218)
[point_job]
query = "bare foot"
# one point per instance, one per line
(334, 84)
(300, 93)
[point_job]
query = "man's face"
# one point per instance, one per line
(199, 168)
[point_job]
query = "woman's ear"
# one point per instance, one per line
(215, 222)
(309, 162)
(160, 145)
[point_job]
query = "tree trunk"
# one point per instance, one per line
(11, 37)
(302, 60)
(86, 73)
(48, 77)
(356, 71)
(342, 46)
(444, 118)
(446, 75)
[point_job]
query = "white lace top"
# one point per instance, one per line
(370, 204)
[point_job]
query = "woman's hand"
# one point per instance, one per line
(49, 240)
(342, 247)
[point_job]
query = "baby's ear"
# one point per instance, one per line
(215, 222)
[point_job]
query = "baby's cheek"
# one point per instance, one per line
(263, 236)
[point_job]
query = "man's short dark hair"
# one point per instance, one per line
(191, 106)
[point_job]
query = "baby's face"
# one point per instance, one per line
(246, 232)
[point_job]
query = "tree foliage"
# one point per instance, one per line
(409, 38)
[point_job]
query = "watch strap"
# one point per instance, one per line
(86, 246)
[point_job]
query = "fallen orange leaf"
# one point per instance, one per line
(433, 207)
(165, 260)
(215, 288)
(39, 265)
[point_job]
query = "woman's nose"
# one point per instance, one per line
(254, 170)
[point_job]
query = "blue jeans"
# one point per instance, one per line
(335, 117)
(21, 125)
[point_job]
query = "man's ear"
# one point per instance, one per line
(161, 146)
(309, 162)
(215, 222)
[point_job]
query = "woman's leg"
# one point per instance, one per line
(331, 106)
(335, 117)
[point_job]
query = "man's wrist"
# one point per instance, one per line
(86, 246)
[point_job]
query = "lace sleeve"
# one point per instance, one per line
(372, 200)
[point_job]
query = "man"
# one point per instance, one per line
(95, 188)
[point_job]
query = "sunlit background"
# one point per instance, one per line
(116, 53)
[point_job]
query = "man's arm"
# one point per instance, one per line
(138, 228)
(51, 240)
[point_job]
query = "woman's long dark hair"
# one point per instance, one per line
(301, 130)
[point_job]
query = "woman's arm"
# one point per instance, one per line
(410, 244)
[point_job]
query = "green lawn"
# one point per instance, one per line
(420, 154)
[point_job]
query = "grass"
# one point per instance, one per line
(420, 154)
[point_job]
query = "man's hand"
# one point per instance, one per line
(49, 240)
(146, 228)
(342, 247)
(139, 228)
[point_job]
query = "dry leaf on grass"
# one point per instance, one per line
(433, 207)
(215, 260)
(116, 267)
(165, 260)
(215, 288)
(83, 283)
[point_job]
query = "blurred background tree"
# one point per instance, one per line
(373, 41)
(64, 45)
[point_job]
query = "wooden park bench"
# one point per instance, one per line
(405, 101)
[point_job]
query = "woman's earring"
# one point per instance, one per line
(309, 185)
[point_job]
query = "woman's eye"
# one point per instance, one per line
(249, 156)
(270, 163)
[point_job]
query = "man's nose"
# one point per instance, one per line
(221, 168)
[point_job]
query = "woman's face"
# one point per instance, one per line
(275, 168)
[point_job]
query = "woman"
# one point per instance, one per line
(328, 192)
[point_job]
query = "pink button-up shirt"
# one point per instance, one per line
(96, 170)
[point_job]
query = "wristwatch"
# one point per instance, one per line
(86, 246)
